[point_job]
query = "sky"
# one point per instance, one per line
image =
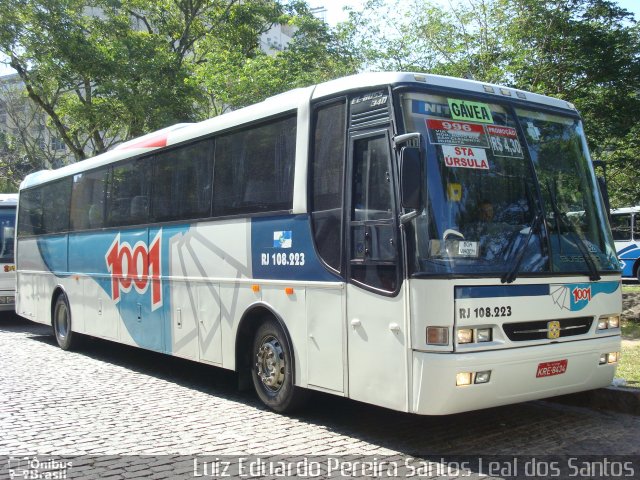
(335, 13)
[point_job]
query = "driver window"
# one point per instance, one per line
(373, 244)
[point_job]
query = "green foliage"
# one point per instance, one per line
(629, 366)
(10, 163)
(419, 35)
(95, 76)
(236, 73)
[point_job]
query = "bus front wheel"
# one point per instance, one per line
(272, 368)
(65, 336)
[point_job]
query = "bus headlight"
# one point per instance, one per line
(483, 335)
(474, 335)
(613, 357)
(465, 335)
(463, 378)
(608, 321)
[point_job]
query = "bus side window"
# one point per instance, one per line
(55, 206)
(127, 200)
(621, 227)
(263, 153)
(139, 208)
(327, 183)
(87, 200)
(30, 217)
(182, 183)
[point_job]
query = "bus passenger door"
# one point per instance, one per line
(375, 303)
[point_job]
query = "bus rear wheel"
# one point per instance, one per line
(272, 369)
(66, 338)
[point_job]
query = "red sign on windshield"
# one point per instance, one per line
(449, 132)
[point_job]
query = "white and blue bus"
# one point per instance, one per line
(8, 204)
(625, 226)
(399, 239)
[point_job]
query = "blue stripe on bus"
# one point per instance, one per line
(491, 291)
(153, 329)
(53, 251)
(628, 249)
(628, 257)
(282, 249)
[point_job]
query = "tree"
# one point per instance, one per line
(236, 72)
(27, 144)
(105, 71)
(464, 40)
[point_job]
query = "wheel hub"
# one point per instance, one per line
(270, 363)
(62, 321)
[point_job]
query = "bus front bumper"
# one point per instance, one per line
(514, 375)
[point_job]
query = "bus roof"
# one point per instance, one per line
(281, 104)
(635, 209)
(356, 82)
(8, 199)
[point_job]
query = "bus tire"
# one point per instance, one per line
(272, 368)
(61, 320)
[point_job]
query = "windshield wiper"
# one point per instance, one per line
(511, 275)
(559, 218)
(593, 269)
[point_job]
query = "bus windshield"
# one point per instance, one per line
(509, 191)
(7, 225)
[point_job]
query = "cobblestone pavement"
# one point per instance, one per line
(110, 399)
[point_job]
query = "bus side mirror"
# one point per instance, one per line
(411, 178)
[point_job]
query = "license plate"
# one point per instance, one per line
(549, 369)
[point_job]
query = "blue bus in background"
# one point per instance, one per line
(625, 226)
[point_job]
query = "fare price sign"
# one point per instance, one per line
(449, 132)
(504, 141)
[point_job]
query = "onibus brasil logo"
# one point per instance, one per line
(135, 267)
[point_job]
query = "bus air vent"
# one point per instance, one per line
(379, 116)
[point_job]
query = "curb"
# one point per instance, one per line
(617, 399)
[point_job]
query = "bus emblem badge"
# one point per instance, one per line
(553, 329)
